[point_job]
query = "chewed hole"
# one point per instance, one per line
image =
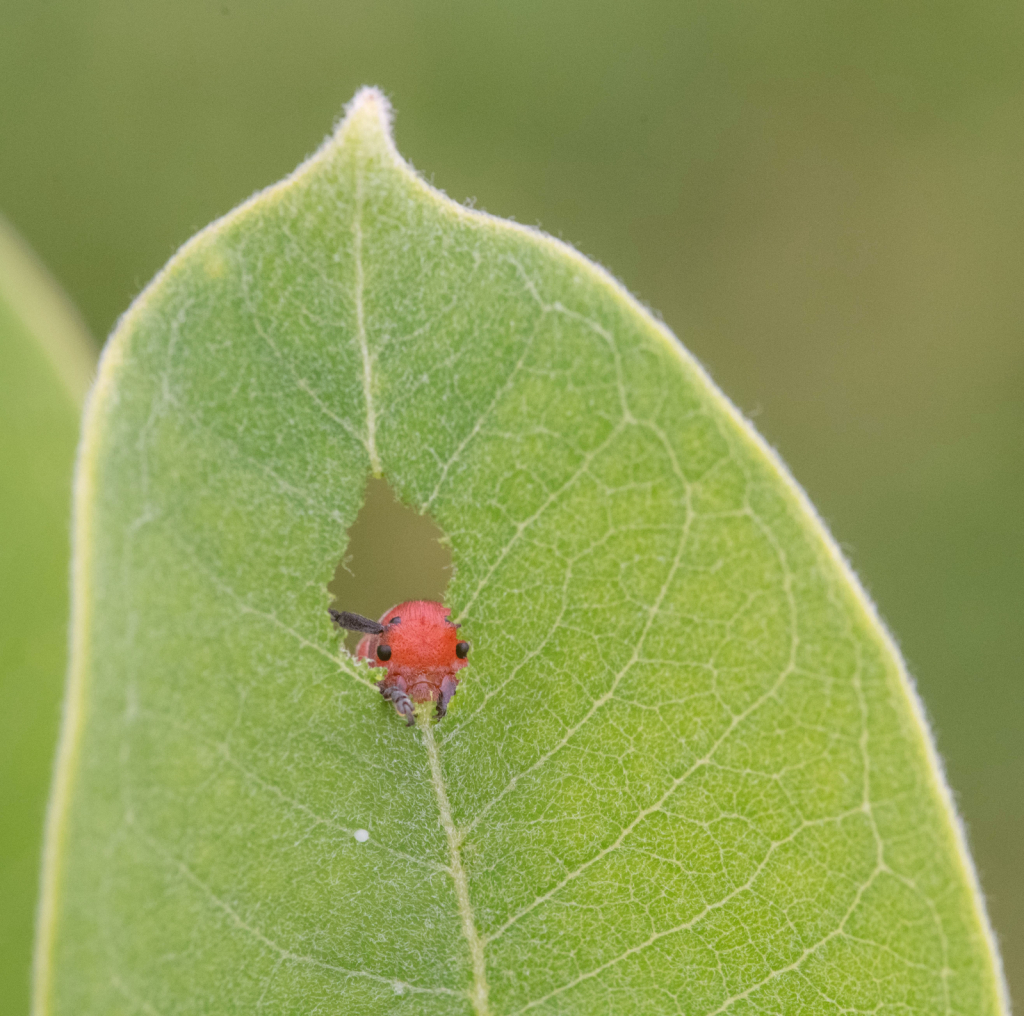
(393, 554)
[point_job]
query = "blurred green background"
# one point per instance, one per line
(822, 199)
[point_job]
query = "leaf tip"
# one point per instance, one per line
(368, 116)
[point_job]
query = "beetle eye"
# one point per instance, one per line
(462, 650)
(383, 653)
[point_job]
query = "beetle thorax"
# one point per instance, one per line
(422, 641)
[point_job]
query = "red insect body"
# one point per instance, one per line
(423, 650)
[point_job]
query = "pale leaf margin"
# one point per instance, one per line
(368, 118)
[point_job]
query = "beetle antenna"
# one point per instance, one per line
(355, 622)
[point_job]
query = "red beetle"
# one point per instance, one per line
(418, 643)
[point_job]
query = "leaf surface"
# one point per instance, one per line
(46, 359)
(685, 771)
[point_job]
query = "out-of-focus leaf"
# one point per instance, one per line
(46, 360)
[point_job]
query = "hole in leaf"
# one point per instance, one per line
(393, 554)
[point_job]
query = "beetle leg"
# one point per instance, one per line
(403, 705)
(448, 688)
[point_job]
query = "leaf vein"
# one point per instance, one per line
(185, 871)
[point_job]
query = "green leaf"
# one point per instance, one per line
(685, 771)
(46, 360)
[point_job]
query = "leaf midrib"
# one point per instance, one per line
(364, 348)
(478, 992)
